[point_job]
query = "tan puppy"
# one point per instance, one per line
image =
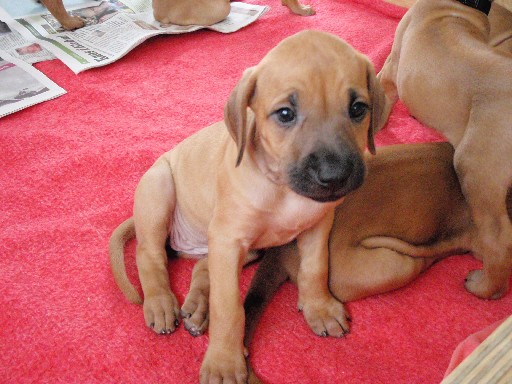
(408, 213)
(56, 8)
(291, 147)
(449, 76)
(207, 12)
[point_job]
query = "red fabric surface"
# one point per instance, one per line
(69, 168)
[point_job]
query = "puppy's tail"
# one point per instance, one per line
(269, 276)
(124, 232)
(452, 246)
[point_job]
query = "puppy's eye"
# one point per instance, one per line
(285, 116)
(358, 110)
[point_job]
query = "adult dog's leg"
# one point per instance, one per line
(155, 200)
(484, 168)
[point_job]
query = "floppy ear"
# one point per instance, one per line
(235, 111)
(379, 114)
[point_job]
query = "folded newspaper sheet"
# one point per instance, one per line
(23, 85)
(113, 28)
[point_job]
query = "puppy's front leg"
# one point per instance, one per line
(224, 361)
(155, 200)
(68, 22)
(323, 312)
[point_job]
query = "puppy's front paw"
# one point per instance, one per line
(73, 22)
(326, 317)
(223, 367)
(480, 286)
(195, 312)
(161, 313)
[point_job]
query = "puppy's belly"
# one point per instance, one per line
(185, 239)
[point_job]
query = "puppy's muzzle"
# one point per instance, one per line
(325, 175)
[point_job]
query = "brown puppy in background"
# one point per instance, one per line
(291, 147)
(408, 213)
(207, 12)
(445, 71)
(57, 9)
(179, 12)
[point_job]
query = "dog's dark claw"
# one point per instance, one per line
(194, 331)
(185, 315)
(324, 334)
(176, 322)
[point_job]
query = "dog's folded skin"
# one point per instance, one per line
(452, 76)
(291, 147)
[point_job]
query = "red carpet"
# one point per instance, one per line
(69, 169)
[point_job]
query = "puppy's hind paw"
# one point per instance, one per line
(195, 313)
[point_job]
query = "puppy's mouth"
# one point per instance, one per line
(325, 176)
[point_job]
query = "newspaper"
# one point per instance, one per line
(17, 46)
(113, 28)
(22, 85)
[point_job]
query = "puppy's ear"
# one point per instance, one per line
(235, 111)
(379, 114)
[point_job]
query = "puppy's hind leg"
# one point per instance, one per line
(155, 200)
(195, 308)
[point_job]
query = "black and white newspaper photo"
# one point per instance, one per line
(22, 85)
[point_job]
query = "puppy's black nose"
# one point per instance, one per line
(329, 169)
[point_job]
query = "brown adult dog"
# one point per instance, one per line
(449, 76)
(207, 12)
(408, 213)
(56, 8)
(296, 126)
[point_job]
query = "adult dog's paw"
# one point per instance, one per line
(479, 285)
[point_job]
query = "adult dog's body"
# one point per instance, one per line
(445, 71)
(299, 123)
(409, 212)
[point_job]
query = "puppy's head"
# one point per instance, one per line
(306, 113)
